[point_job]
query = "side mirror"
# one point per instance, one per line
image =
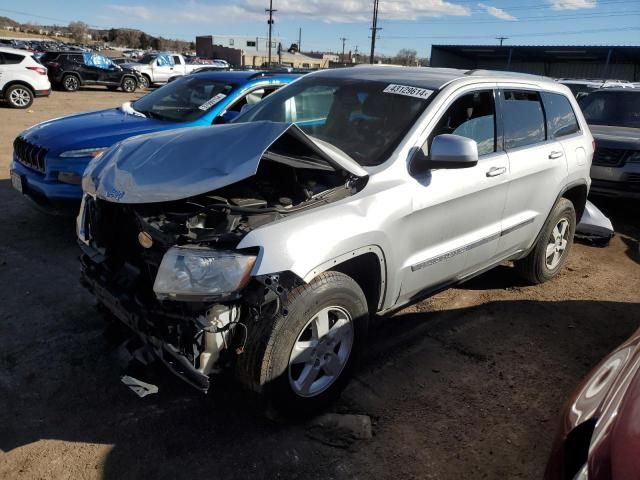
(447, 151)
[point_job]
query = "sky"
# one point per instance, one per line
(414, 24)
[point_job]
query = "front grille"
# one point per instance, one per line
(633, 178)
(30, 155)
(609, 157)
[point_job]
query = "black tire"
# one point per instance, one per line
(129, 84)
(70, 82)
(144, 82)
(535, 267)
(264, 366)
(19, 96)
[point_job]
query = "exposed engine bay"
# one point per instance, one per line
(126, 244)
(228, 214)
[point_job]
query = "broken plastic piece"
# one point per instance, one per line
(140, 388)
(594, 226)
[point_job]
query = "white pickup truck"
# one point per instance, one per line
(156, 68)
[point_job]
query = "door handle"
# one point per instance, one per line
(495, 171)
(555, 154)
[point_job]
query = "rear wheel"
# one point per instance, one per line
(302, 360)
(70, 83)
(19, 96)
(129, 84)
(551, 251)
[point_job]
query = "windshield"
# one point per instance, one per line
(619, 109)
(357, 116)
(183, 100)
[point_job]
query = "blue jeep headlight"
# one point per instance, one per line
(83, 152)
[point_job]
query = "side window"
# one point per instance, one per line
(1, 58)
(472, 116)
(76, 58)
(561, 120)
(253, 97)
(12, 58)
(523, 119)
(176, 59)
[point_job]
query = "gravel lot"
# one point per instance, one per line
(465, 385)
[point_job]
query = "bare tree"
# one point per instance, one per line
(78, 31)
(406, 56)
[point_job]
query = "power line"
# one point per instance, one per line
(537, 34)
(531, 19)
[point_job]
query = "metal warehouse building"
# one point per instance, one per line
(621, 63)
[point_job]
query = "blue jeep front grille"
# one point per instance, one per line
(30, 155)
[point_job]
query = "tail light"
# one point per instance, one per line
(40, 70)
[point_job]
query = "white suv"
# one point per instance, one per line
(265, 245)
(22, 78)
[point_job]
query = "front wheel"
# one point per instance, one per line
(144, 82)
(129, 84)
(302, 359)
(19, 96)
(551, 251)
(70, 83)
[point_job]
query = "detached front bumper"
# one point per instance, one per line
(125, 307)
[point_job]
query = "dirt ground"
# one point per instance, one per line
(468, 384)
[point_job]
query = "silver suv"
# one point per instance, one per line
(265, 245)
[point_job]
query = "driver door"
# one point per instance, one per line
(162, 69)
(455, 222)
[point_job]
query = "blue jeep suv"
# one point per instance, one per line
(50, 157)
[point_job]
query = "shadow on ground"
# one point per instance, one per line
(460, 393)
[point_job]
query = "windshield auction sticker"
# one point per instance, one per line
(408, 91)
(212, 101)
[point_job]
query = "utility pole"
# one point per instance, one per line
(270, 10)
(502, 39)
(343, 42)
(300, 39)
(374, 29)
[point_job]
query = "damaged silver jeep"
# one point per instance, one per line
(264, 245)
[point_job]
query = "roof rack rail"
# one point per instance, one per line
(506, 73)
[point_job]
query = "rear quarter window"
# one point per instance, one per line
(561, 119)
(523, 118)
(12, 58)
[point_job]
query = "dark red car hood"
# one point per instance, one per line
(610, 396)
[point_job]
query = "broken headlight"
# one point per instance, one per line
(199, 274)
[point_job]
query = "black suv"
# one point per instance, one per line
(70, 70)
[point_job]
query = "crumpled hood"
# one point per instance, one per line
(178, 164)
(91, 130)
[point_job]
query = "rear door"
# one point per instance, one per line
(537, 167)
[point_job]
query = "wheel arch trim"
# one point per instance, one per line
(350, 255)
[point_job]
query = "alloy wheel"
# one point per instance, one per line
(128, 85)
(321, 351)
(71, 83)
(20, 97)
(557, 244)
